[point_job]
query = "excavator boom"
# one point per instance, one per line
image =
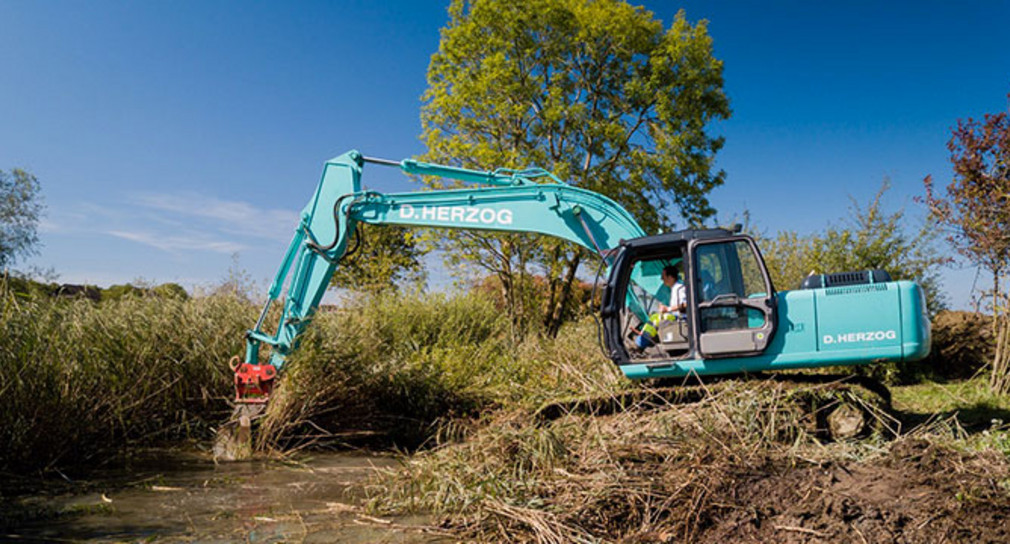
(503, 200)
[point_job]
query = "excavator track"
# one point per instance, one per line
(834, 407)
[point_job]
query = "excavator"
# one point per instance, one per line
(731, 319)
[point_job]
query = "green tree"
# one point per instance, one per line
(170, 291)
(119, 291)
(870, 238)
(600, 93)
(387, 257)
(20, 209)
(164, 291)
(975, 211)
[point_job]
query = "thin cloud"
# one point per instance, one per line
(183, 222)
(179, 243)
(47, 226)
(65, 221)
(232, 216)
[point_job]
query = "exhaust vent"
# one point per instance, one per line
(839, 279)
(853, 289)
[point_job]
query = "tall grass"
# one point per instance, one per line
(404, 366)
(82, 380)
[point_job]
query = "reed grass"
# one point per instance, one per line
(82, 381)
(85, 380)
(410, 369)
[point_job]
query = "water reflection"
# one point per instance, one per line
(187, 498)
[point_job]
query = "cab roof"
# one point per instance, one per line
(679, 236)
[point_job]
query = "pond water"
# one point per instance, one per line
(186, 497)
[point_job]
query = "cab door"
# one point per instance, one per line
(732, 299)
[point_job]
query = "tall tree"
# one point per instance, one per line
(597, 91)
(386, 257)
(20, 209)
(975, 210)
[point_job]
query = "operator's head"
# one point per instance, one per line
(669, 275)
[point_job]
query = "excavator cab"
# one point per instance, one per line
(730, 310)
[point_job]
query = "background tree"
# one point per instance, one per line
(870, 238)
(164, 290)
(597, 92)
(20, 209)
(388, 258)
(975, 210)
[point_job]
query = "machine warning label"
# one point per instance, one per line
(870, 336)
(470, 215)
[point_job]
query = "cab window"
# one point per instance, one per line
(654, 319)
(728, 271)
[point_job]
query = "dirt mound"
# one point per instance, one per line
(962, 344)
(919, 493)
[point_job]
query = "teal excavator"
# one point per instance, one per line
(732, 319)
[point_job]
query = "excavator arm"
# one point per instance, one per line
(501, 200)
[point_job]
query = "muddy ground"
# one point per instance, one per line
(919, 493)
(741, 464)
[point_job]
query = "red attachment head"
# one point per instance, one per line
(253, 383)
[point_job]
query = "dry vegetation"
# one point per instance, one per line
(738, 461)
(85, 380)
(742, 464)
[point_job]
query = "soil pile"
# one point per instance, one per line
(962, 344)
(918, 493)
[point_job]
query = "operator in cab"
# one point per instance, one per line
(672, 298)
(673, 292)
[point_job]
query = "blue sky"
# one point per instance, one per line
(169, 136)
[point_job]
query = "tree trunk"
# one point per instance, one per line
(558, 312)
(553, 278)
(522, 292)
(995, 301)
(999, 380)
(508, 288)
